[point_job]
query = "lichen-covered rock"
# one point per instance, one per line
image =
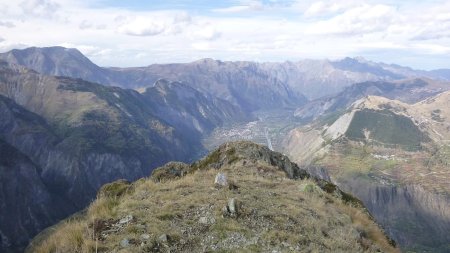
(221, 179)
(126, 219)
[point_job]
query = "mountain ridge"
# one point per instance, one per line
(306, 77)
(78, 136)
(252, 194)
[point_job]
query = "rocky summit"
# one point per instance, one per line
(241, 197)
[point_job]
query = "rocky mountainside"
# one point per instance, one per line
(186, 108)
(80, 135)
(67, 137)
(240, 197)
(57, 61)
(244, 84)
(409, 91)
(392, 155)
(21, 184)
(247, 84)
(319, 78)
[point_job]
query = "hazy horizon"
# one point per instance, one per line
(135, 33)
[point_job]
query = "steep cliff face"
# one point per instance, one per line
(75, 136)
(186, 108)
(415, 218)
(244, 84)
(27, 204)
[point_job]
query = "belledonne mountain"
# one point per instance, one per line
(262, 203)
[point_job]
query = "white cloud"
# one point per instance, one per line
(143, 27)
(204, 31)
(432, 48)
(7, 24)
(6, 46)
(40, 8)
(85, 24)
(250, 30)
(322, 8)
(433, 24)
(151, 25)
(356, 21)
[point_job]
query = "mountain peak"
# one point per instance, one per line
(58, 61)
(51, 52)
(237, 198)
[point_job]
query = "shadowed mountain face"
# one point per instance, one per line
(190, 110)
(71, 137)
(27, 204)
(74, 136)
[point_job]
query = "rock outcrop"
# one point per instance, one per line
(270, 211)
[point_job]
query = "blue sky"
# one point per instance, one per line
(137, 33)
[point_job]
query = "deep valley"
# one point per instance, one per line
(68, 127)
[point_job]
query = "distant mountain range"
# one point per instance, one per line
(285, 83)
(409, 91)
(69, 126)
